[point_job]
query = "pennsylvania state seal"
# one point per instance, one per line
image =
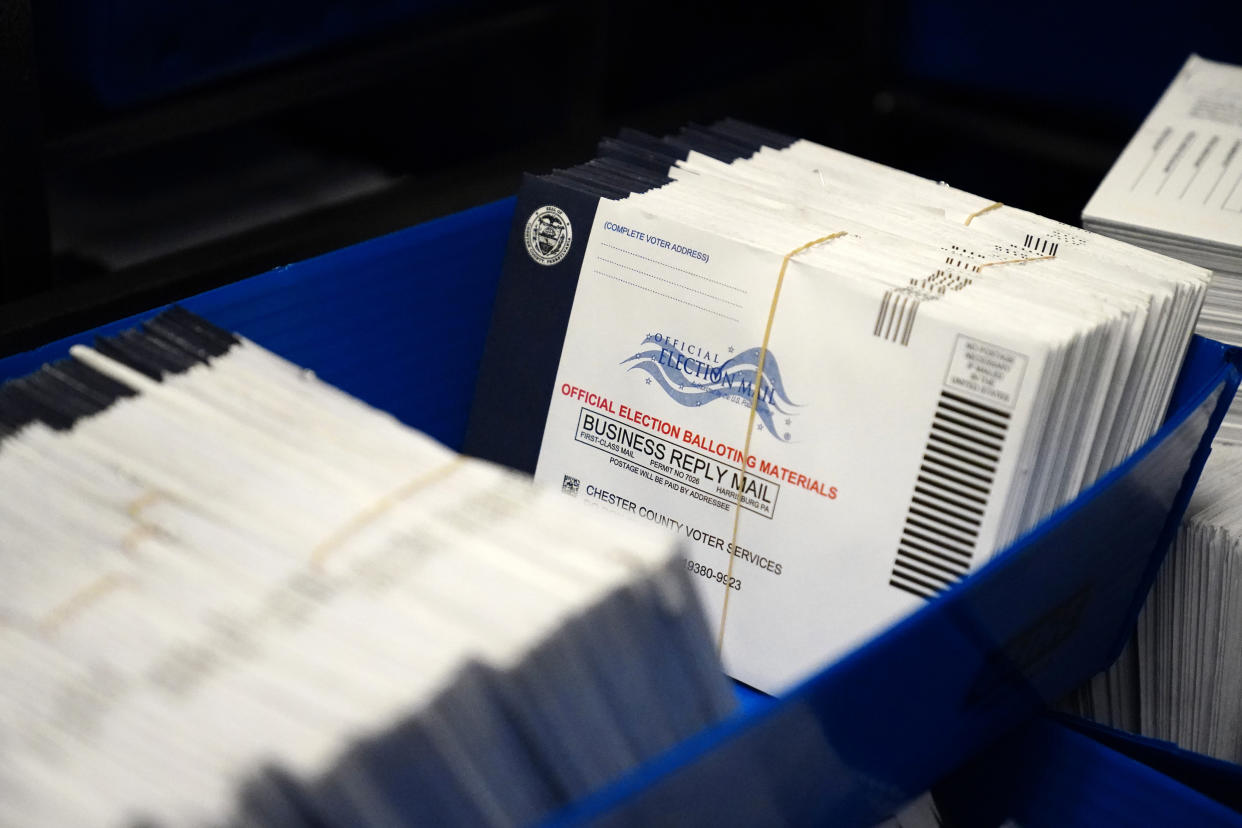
(548, 235)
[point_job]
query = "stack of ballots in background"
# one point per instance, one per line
(1177, 189)
(1180, 676)
(846, 385)
(232, 593)
(1189, 637)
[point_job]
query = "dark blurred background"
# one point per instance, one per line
(152, 149)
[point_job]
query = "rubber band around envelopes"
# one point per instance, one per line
(754, 400)
(80, 600)
(112, 580)
(996, 205)
(108, 582)
(379, 507)
(750, 422)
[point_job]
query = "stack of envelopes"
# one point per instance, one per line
(846, 386)
(1177, 189)
(233, 594)
(1180, 677)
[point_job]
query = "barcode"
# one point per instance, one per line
(950, 494)
(899, 306)
(938, 282)
(964, 258)
(1043, 247)
(896, 317)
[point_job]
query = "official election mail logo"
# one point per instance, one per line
(548, 235)
(693, 376)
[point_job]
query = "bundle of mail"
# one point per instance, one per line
(846, 386)
(1181, 678)
(1177, 189)
(232, 594)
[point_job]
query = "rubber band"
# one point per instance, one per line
(1014, 261)
(996, 205)
(750, 424)
(110, 582)
(321, 551)
(143, 501)
(82, 599)
(135, 536)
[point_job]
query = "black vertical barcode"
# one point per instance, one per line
(895, 319)
(950, 494)
(1043, 247)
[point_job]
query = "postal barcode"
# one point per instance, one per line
(950, 494)
(1043, 247)
(895, 319)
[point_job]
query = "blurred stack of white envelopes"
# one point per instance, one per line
(1180, 678)
(909, 375)
(232, 593)
(1177, 189)
(1189, 639)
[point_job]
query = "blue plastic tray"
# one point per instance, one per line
(1048, 775)
(400, 322)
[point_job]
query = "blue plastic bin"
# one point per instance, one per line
(400, 322)
(1050, 775)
